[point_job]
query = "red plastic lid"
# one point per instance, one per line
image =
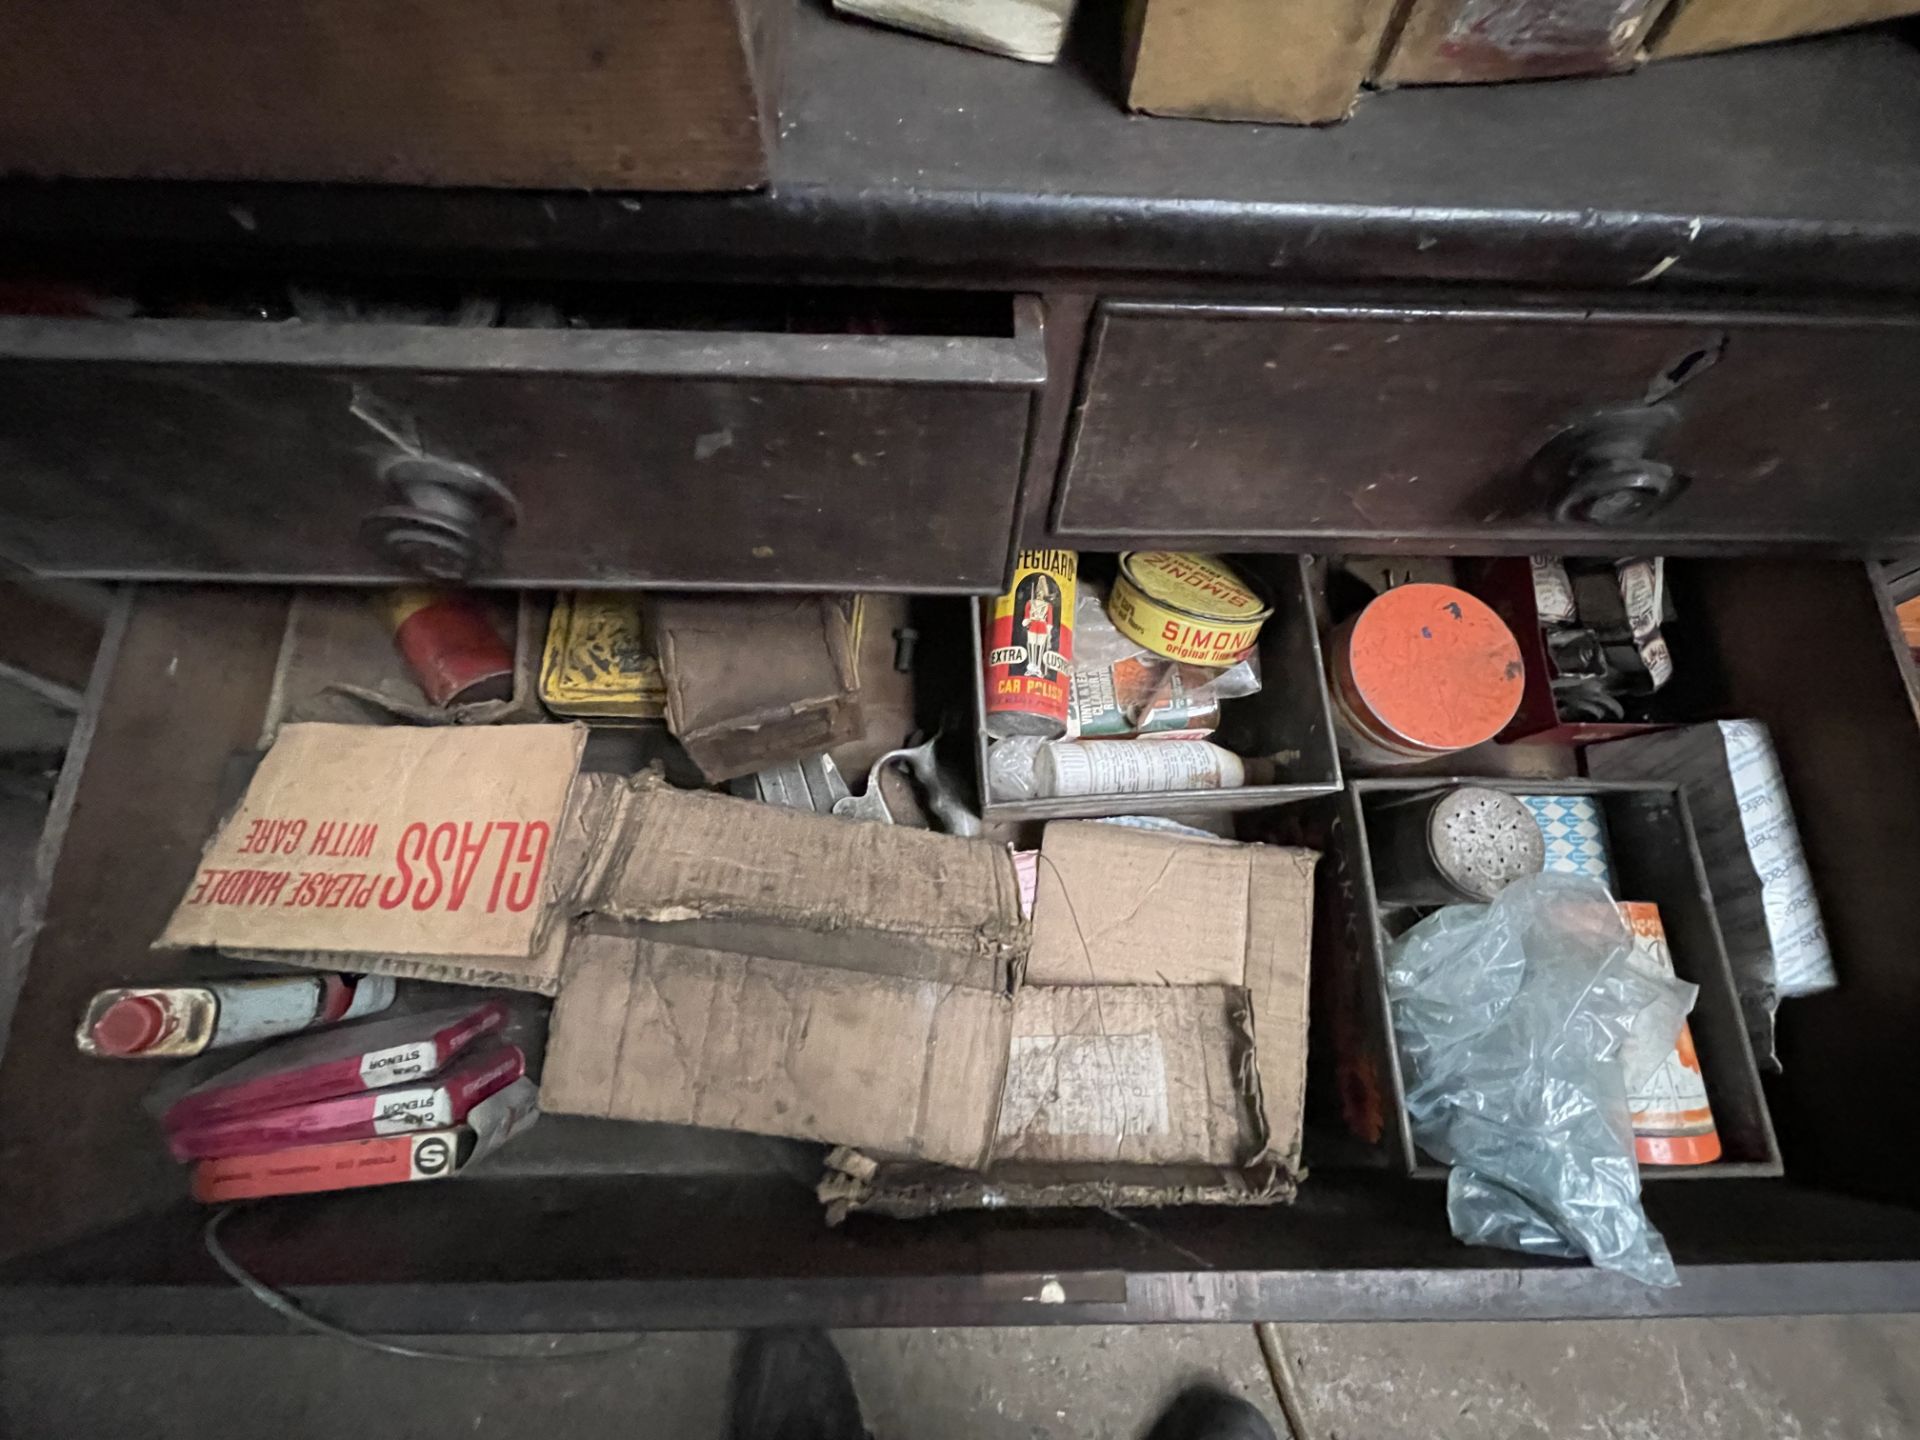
(1436, 666)
(130, 1025)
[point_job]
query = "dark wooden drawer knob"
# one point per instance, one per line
(446, 519)
(1603, 472)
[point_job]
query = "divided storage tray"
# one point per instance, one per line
(1288, 722)
(1655, 858)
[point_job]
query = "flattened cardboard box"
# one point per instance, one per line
(1129, 1075)
(728, 874)
(450, 854)
(885, 1025)
(1115, 906)
(752, 968)
(646, 1030)
(1161, 1057)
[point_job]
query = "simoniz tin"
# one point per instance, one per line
(1029, 647)
(1192, 608)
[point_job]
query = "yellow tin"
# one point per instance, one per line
(1192, 608)
(598, 662)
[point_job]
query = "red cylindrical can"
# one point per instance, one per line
(1029, 647)
(448, 641)
(1422, 671)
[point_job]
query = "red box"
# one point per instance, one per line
(1507, 587)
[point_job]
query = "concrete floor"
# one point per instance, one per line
(1803, 1379)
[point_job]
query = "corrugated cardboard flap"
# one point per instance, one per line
(378, 841)
(651, 1031)
(1117, 907)
(730, 874)
(1128, 1075)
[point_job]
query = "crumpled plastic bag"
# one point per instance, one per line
(1512, 1019)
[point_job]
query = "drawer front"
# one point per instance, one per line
(1561, 428)
(234, 450)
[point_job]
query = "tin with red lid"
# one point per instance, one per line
(1423, 671)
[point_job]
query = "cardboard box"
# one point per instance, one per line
(1297, 61)
(1128, 1075)
(754, 680)
(647, 1030)
(1451, 42)
(447, 854)
(884, 1023)
(1173, 973)
(1031, 30)
(1696, 27)
(722, 873)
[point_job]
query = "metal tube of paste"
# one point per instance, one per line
(167, 1022)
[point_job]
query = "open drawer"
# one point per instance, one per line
(594, 1226)
(876, 450)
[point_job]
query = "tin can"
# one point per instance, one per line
(1192, 608)
(1463, 845)
(449, 643)
(1672, 1118)
(1423, 671)
(1029, 647)
(598, 663)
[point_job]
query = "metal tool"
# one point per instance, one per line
(942, 798)
(812, 784)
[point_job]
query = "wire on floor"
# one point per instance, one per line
(290, 1310)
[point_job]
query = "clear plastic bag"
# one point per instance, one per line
(1010, 767)
(1512, 1019)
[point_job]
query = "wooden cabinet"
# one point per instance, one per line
(1477, 428)
(353, 452)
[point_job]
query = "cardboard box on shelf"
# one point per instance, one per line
(1300, 62)
(1698, 27)
(445, 854)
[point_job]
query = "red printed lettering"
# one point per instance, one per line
(469, 862)
(536, 830)
(394, 893)
(440, 847)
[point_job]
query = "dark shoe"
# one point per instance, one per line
(794, 1385)
(1206, 1412)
